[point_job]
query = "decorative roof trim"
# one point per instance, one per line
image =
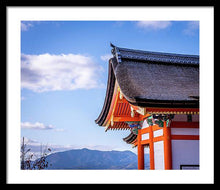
(176, 111)
(116, 53)
(149, 56)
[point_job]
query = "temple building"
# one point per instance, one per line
(156, 97)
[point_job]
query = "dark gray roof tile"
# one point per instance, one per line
(155, 56)
(153, 79)
(153, 76)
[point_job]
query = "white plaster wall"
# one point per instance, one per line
(185, 152)
(185, 131)
(159, 155)
(145, 136)
(158, 133)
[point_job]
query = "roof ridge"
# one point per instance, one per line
(126, 53)
(158, 53)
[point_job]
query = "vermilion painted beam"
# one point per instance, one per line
(145, 130)
(145, 142)
(182, 124)
(126, 118)
(151, 147)
(160, 138)
(140, 153)
(185, 137)
(167, 147)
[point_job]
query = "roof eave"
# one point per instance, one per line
(108, 97)
(164, 103)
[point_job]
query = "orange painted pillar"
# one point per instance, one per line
(167, 147)
(151, 148)
(140, 152)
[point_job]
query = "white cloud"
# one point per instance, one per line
(153, 25)
(25, 26)
(191, 28)
(59, 130)
(39, 126)
(36, 125)
(48, 72)
(106, 57)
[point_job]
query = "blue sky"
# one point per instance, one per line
(64, 71)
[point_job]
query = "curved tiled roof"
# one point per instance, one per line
(153, 79)
(130, 138)
(157, 79)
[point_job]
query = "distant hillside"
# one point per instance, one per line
(93, 159)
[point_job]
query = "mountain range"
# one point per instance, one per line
(93, 159)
